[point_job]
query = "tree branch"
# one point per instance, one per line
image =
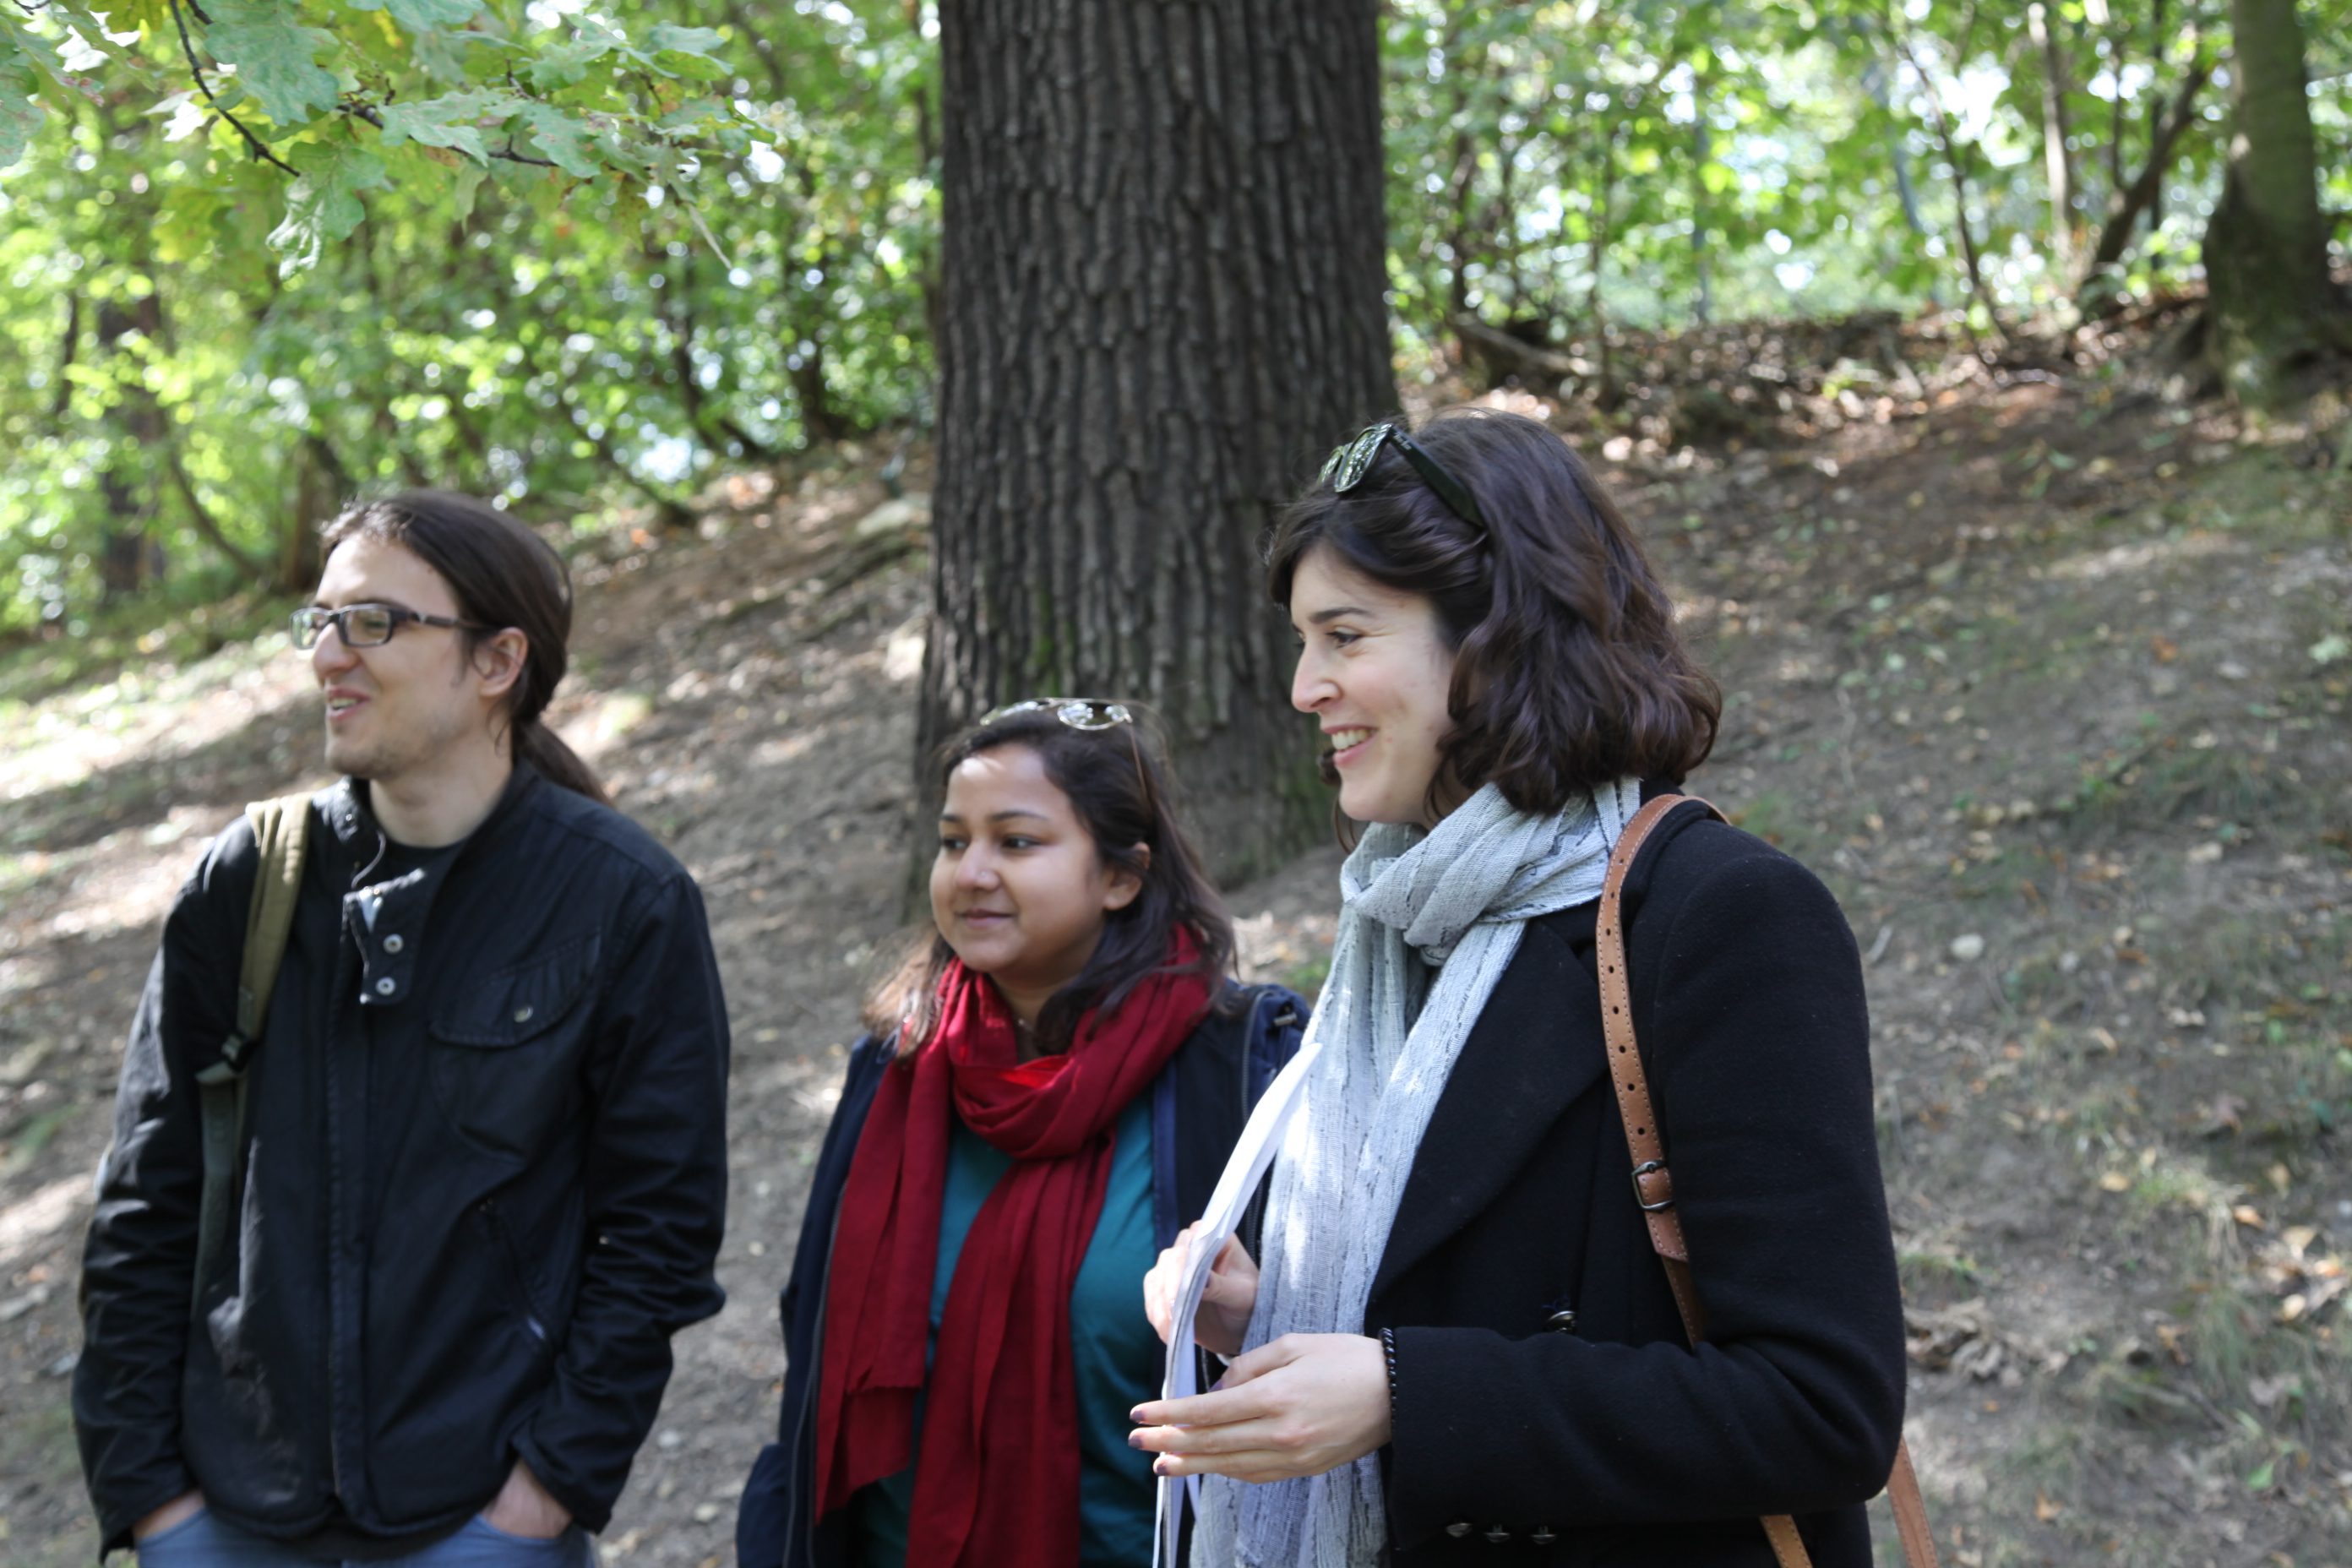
(188, 47)
(206, 524)
(2114, 236)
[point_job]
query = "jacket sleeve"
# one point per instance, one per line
(655, 1190)
(138, 1260)
(1756, 1036)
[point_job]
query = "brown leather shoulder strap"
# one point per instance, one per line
(1654, 1183)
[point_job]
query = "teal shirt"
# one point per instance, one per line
(1117, 1357)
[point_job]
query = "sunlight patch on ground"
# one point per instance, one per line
(25, 1224)
(2143, 557)
(120, 883)
(147, 714)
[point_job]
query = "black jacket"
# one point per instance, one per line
(1199, 1102)
(1614, 1439)
(487, 1178)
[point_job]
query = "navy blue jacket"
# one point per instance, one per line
(1199, 1102)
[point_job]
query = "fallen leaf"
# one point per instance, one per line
(2247, 1215)
(2115, 1182)
(2044, 1509)
(2164, 647)
(2225, 1116)
(2267, 1391)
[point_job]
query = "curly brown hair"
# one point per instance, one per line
(1567, 671)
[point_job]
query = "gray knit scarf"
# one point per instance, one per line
(1429, 923)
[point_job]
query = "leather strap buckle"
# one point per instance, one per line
(1640, 1195)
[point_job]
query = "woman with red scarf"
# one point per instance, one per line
(1047, 1093)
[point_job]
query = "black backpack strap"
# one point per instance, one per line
(282, 832)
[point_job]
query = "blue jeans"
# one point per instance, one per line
(202, 1541)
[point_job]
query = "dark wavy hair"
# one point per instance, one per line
(1568, 671)
(502, 576)
(1119, 789)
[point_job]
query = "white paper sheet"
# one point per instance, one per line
(1261, 1139)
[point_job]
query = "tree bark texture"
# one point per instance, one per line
(2271, 302)
(1163, 271)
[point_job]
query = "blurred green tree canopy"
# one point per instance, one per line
(257, 256)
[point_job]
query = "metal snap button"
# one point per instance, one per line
(1563, 1322)
(522, 1014)
(392, 942)
(1459, 1527)
(1543, 1535)
(387, 987)
(1499, 1535)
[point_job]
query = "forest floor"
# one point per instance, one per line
(2047, 680)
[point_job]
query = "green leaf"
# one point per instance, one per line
(683, 51)
(274, 56)
(325, 204)
(560, 135)
(2259, 1481)
(424, 15)
(20, 117)
(688, 115)
(669, 38)
(442, 56)
(446, 121)
(462, 189)
(565, 64)
(186, 229)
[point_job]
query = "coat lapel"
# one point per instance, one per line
(1526, 1062)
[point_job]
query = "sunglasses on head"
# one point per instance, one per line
(1077, 712)
(1091, 714)
(1352, 462)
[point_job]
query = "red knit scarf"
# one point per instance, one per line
(997, 1479)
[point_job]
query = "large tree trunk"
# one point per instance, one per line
(1162, 273)
(2270, 303)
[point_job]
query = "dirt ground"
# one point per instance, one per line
(2046, 679)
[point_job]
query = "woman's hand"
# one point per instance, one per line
(1304, 1404)
(1226, 1302)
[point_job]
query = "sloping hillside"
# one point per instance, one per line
(2047, 681)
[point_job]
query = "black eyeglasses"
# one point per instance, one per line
(364, 625)
(1077, 712)
(1352, 461)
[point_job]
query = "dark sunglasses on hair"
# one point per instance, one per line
(1077, 712)
(364, 626)
(1352, 461)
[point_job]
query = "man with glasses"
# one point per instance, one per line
(411, 1300)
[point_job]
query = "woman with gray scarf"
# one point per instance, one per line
(1455, 1342)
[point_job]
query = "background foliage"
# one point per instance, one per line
(579, 258)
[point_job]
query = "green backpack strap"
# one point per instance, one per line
(281, 828)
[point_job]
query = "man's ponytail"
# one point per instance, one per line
(503, 575)
(544, 750)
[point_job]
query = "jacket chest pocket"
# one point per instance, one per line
(506, 1055)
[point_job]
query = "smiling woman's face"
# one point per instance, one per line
(1018, 888)
(1376, 672)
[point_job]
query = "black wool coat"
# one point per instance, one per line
(1517, 1441)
